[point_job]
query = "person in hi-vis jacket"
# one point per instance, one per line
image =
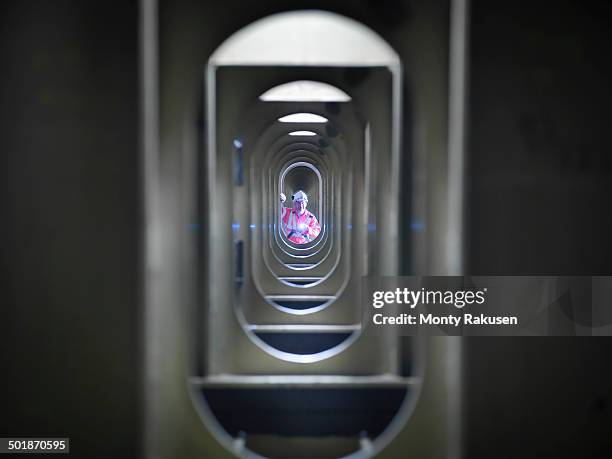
(299, 225)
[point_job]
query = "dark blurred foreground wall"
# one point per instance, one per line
(540, 188)
(69, 319)
(68, 204)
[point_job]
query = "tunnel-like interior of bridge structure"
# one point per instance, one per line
(286, 344)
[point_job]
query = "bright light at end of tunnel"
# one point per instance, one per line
(303, 118)
(302, 133)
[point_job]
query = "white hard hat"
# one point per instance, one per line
(300, 196)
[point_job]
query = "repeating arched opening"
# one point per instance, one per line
(320, 116)
(302, 176)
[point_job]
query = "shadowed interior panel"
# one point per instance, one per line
(300, 304)
(303, 343)
(304, 281)
(305, 412)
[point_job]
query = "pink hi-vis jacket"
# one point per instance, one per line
(299, 229)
